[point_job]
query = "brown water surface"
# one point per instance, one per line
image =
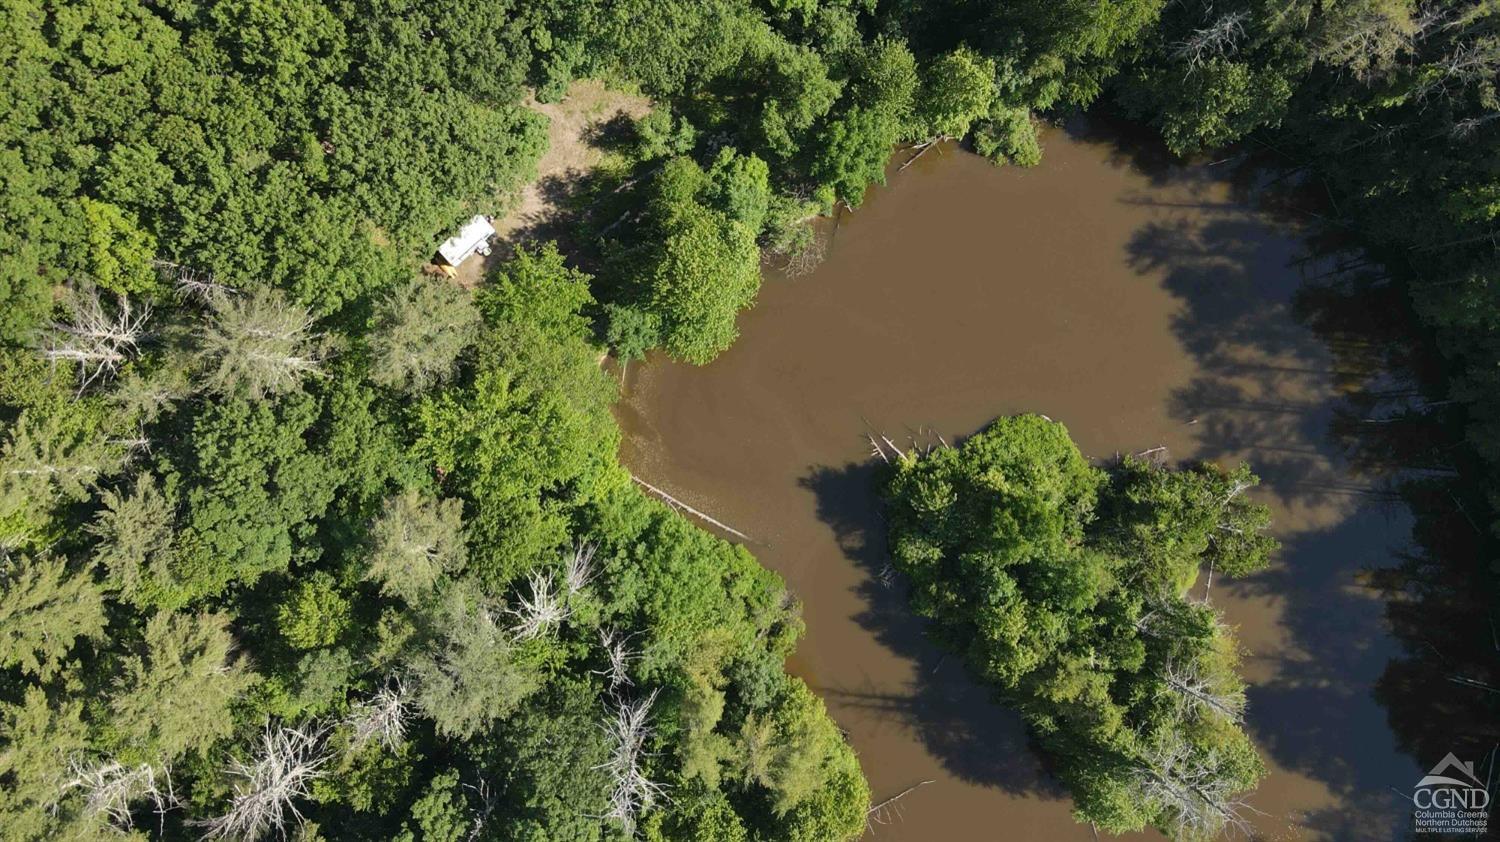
(1142, 306)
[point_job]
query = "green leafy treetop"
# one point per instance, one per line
(119, 252)
(707, 266)
(958, 88)
(315, 614)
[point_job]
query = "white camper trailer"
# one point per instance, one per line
(473, 238)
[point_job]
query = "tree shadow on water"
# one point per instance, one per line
(956, 719)
(1307, 372)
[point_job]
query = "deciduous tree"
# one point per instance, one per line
(957, 89)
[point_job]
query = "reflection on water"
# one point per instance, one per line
(1141, 304)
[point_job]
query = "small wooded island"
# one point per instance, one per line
(304, 536)
(1065, 586)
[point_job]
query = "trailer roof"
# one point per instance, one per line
(458, 247)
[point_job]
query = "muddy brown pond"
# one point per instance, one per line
(1143, 307)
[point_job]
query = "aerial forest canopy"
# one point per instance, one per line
(1064, 586)
(293, 538)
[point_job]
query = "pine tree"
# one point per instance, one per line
(36, 739)
(44, 609)
(175, 695)
(55, 453)
(419, 333)
(257, 344)
(467, 677)
(135, 530)
(416, 541)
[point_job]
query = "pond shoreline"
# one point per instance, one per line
(1140, 304)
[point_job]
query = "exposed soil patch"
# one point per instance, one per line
(572, 150)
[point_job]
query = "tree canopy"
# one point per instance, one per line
(1065, 587)
(275, 507)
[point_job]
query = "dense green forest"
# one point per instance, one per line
(1065, 586)
(293, 537)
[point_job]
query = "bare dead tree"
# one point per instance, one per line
(1147, 623)
(801, 256)
(283, 769)
(1164, 612)
(132, 445)
(95, 339)
(1470, 61)
(110, 788)
(919, 149)
(48, 470)
(892, 446)
(482, 813)
(1381, 135)
(1363, 39)
(188, 282)
(1200, 692)
(1463, 129)
(1239, 487)
(877, 450)
(617, 648)
(683, 507)
(1430, 20)
(1434, 19)
(1190, 785)
(578, 567)
(383, 716)
(890, 809)
(621, 219)
(541, 612)
(796, 245)
(1217, 40)
(633, 792)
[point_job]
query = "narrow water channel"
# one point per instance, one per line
(1142, 306)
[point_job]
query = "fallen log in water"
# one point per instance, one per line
(921, 150)
(678, 504)
(881, 813)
